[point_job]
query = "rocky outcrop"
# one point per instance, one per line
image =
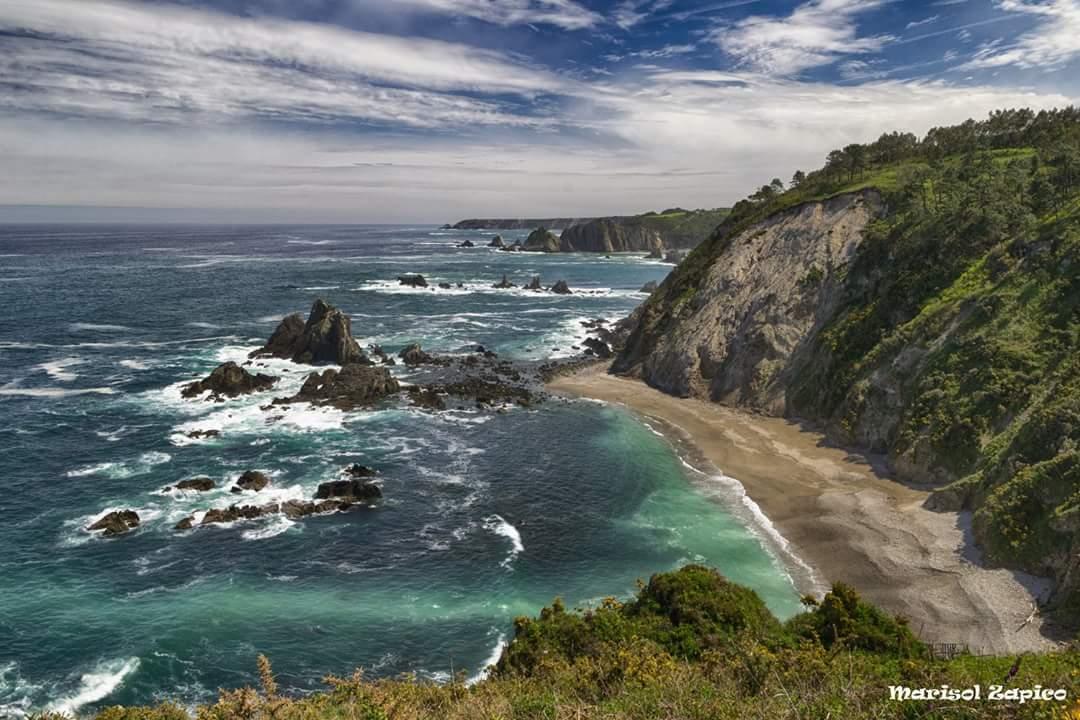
(415, 355)
(561, 288)
(608, 235)
(116, 523)
(354, 490)
(497, 242)
(466, 244)
(674, 256)
(503, 284)
(227, 380)
(252, 480)
(733, 331)
(534, 284)
(352, 387)
(199, 484)
(325, 338)
(356, 470)
(417, 281)
(542, 240)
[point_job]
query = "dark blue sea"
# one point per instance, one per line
(485, 516)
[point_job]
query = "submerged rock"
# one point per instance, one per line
(561, 288)
(357, 470)
(237, 512)
(426, 398)
(230, 380)
(116, 523)
(325, 338)
(251, 480)
(351, 387)
(201, 434)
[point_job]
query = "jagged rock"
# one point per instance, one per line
(445, 286)
(116, 523)
(326, 337)
(351, 387)
(185, 524)
(251, 480)
(649, 287)
(350, 489)
(415, 355)
(413, 281)
(238, 512)
(542, 240)
(357, 470)
(466, 244)
(513, 247)
(534, 284)
(201, 484)
(504, 284)
(561, 288)
(497, 242)
(599, 348)
(427, 398)
(227, 379)
(201, 434)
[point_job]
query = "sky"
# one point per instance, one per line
(430, 111)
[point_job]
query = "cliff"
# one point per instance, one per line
(926, 308)
(608, 235)
(516, 223)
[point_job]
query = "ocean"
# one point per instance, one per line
(485, 516)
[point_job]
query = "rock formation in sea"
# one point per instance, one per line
(561, 288)
(199, 484)
(353, 490)
(251, 480)
(228, 380)
(497, 242)
(416, 280)
(466, 244)
(352, 387)
(504, 284)
(534, 284)
(414, 355)
(116, 523)
(326, 338)
(542, 240)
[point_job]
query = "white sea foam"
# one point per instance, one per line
(135, 364)
(275, 526)
(58, 369)
(96, 685)
(16, 692)
(97, 327)
(499, 526)
(142, 465)
(310, 242)
(13, 390)
(491, 660)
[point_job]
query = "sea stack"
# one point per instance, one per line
(326, 338)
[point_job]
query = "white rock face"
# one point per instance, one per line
(762, 301)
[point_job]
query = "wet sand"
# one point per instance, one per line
(845, 518)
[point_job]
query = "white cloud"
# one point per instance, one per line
(629, 13)
(924, 21)
(816, 33)
(1054, 42)
(561, 13)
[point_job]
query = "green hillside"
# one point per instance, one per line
(954, 346)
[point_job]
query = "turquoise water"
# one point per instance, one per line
(485, 516)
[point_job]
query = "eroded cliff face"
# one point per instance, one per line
(732, 331)
(607, 235)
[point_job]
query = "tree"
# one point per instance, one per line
(777, 185)
(798, 178)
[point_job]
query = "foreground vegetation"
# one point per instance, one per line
(952, 339)
(691, 646)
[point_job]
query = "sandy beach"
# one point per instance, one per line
(844, 518)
